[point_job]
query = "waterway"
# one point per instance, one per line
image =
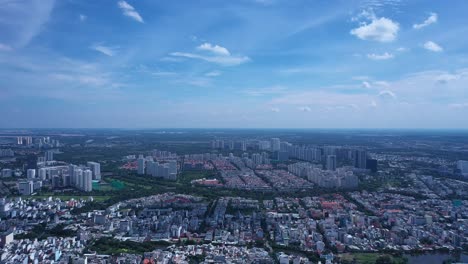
(437, 258)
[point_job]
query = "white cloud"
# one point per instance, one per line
(171, 59)
(432, 46)
(109, 51)
(402, 49)
(430, 20)
(379, 29)
(387, 94)
(383, 56)
(61, 78)
(85, 79)
(304, 109)
(366, 84)
(163, 73)
(4, 47)
(213, 73)
(459, 106)
(82, 17)
(381, 83)
(265, 91)
(22, 21)
(195, 81)
(360, 78)
(214, 48)
(447, 77)
(130, 11)
(406, 100)
(275, 109)
(353, 106)
(222, 60)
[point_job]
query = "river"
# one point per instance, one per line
(436, 258)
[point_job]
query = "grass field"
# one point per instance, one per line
(187, 176)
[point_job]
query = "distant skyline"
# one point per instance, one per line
(227, 64)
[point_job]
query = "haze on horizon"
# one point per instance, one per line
(246, 63)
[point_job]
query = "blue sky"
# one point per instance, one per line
(246, 63)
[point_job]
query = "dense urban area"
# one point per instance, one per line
(233, 196)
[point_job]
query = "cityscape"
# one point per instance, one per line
(232, 132)
(233, 196)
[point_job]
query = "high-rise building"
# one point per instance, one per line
(49, 155)
(27, 140)
(66, 180)
(172, 170)
(150, 167)
(331, 162)
(360, 159)
(462, 165)
(96, 169)
(77, 178)
(71, 173)
(31, 174)
(231, 145)
(264, 145)
(42, 173)
(141, 165)
(87, 181)
(282, 155)
(25, 187)
(275, 144)
(243, 146)
(329, 150)
(55, 181)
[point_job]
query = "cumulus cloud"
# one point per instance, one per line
(432, 46)
(409, 97)
(109, 51)
(378, 29)
(446, 77)
(430, 20)
(220, 55)
(214, 48)
(304, 109)
(387, 94)
(130, 11)
(383, 56)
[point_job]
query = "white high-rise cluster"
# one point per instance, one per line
(164, 170)
(96, 169)
(340, 178)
